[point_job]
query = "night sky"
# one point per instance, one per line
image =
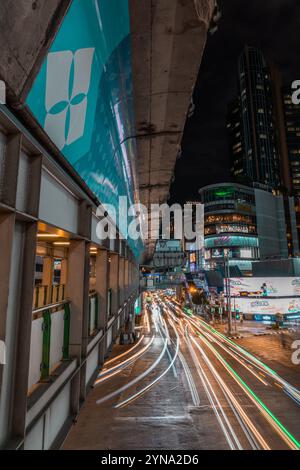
(272, 25)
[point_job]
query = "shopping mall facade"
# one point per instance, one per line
(246, 224)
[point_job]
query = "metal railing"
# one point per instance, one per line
(50, 340)
(57, 293)
(46, 295)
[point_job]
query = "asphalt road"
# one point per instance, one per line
(187, 386)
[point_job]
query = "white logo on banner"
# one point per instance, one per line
(2, 92)
(67, 87)
(2, 353)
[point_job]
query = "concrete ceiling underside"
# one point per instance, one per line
(27, 29)
(168, 39)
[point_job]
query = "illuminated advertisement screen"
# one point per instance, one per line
(227, 240)
(233, 228)
(83, 98)
(266, 306)
(265, 287)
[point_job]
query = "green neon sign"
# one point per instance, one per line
(224, 192)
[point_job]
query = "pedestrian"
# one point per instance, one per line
(241, 318)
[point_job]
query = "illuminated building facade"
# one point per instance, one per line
(251, 122)
(247, 224)
(234, 128)
(292, 121)
(230, 226)
(287, 118)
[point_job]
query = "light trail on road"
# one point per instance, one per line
(137, 379)
(247, 356)
(213, 337)
(154, 382)
(117, 358)
(146, 372)
(223, 420)
(250, 431)
(247, 425)
(108, 373)
(278, 426)
(225, 425)
(219, 367)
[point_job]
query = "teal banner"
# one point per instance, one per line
(83, 98)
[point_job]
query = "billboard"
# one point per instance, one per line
(265, 287)
(228, 241)
(266, 306)
(83, 99)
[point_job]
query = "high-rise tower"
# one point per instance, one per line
(257, 158)
(292, 121)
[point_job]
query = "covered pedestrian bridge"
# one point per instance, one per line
(88, 117)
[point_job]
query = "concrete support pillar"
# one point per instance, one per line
(78, 293)
(47, 279)
(17, 269)
(19, 311)
(7, 222)
(114, 282)
(114, 286)
(122, 281)
(126, 278)
(9, 180)
(131, 318)
(64, 272)
(130, 277)
(75, 292)
(102, 351)
(102, 272)
(79, 259)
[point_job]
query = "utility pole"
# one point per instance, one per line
(228, 291)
